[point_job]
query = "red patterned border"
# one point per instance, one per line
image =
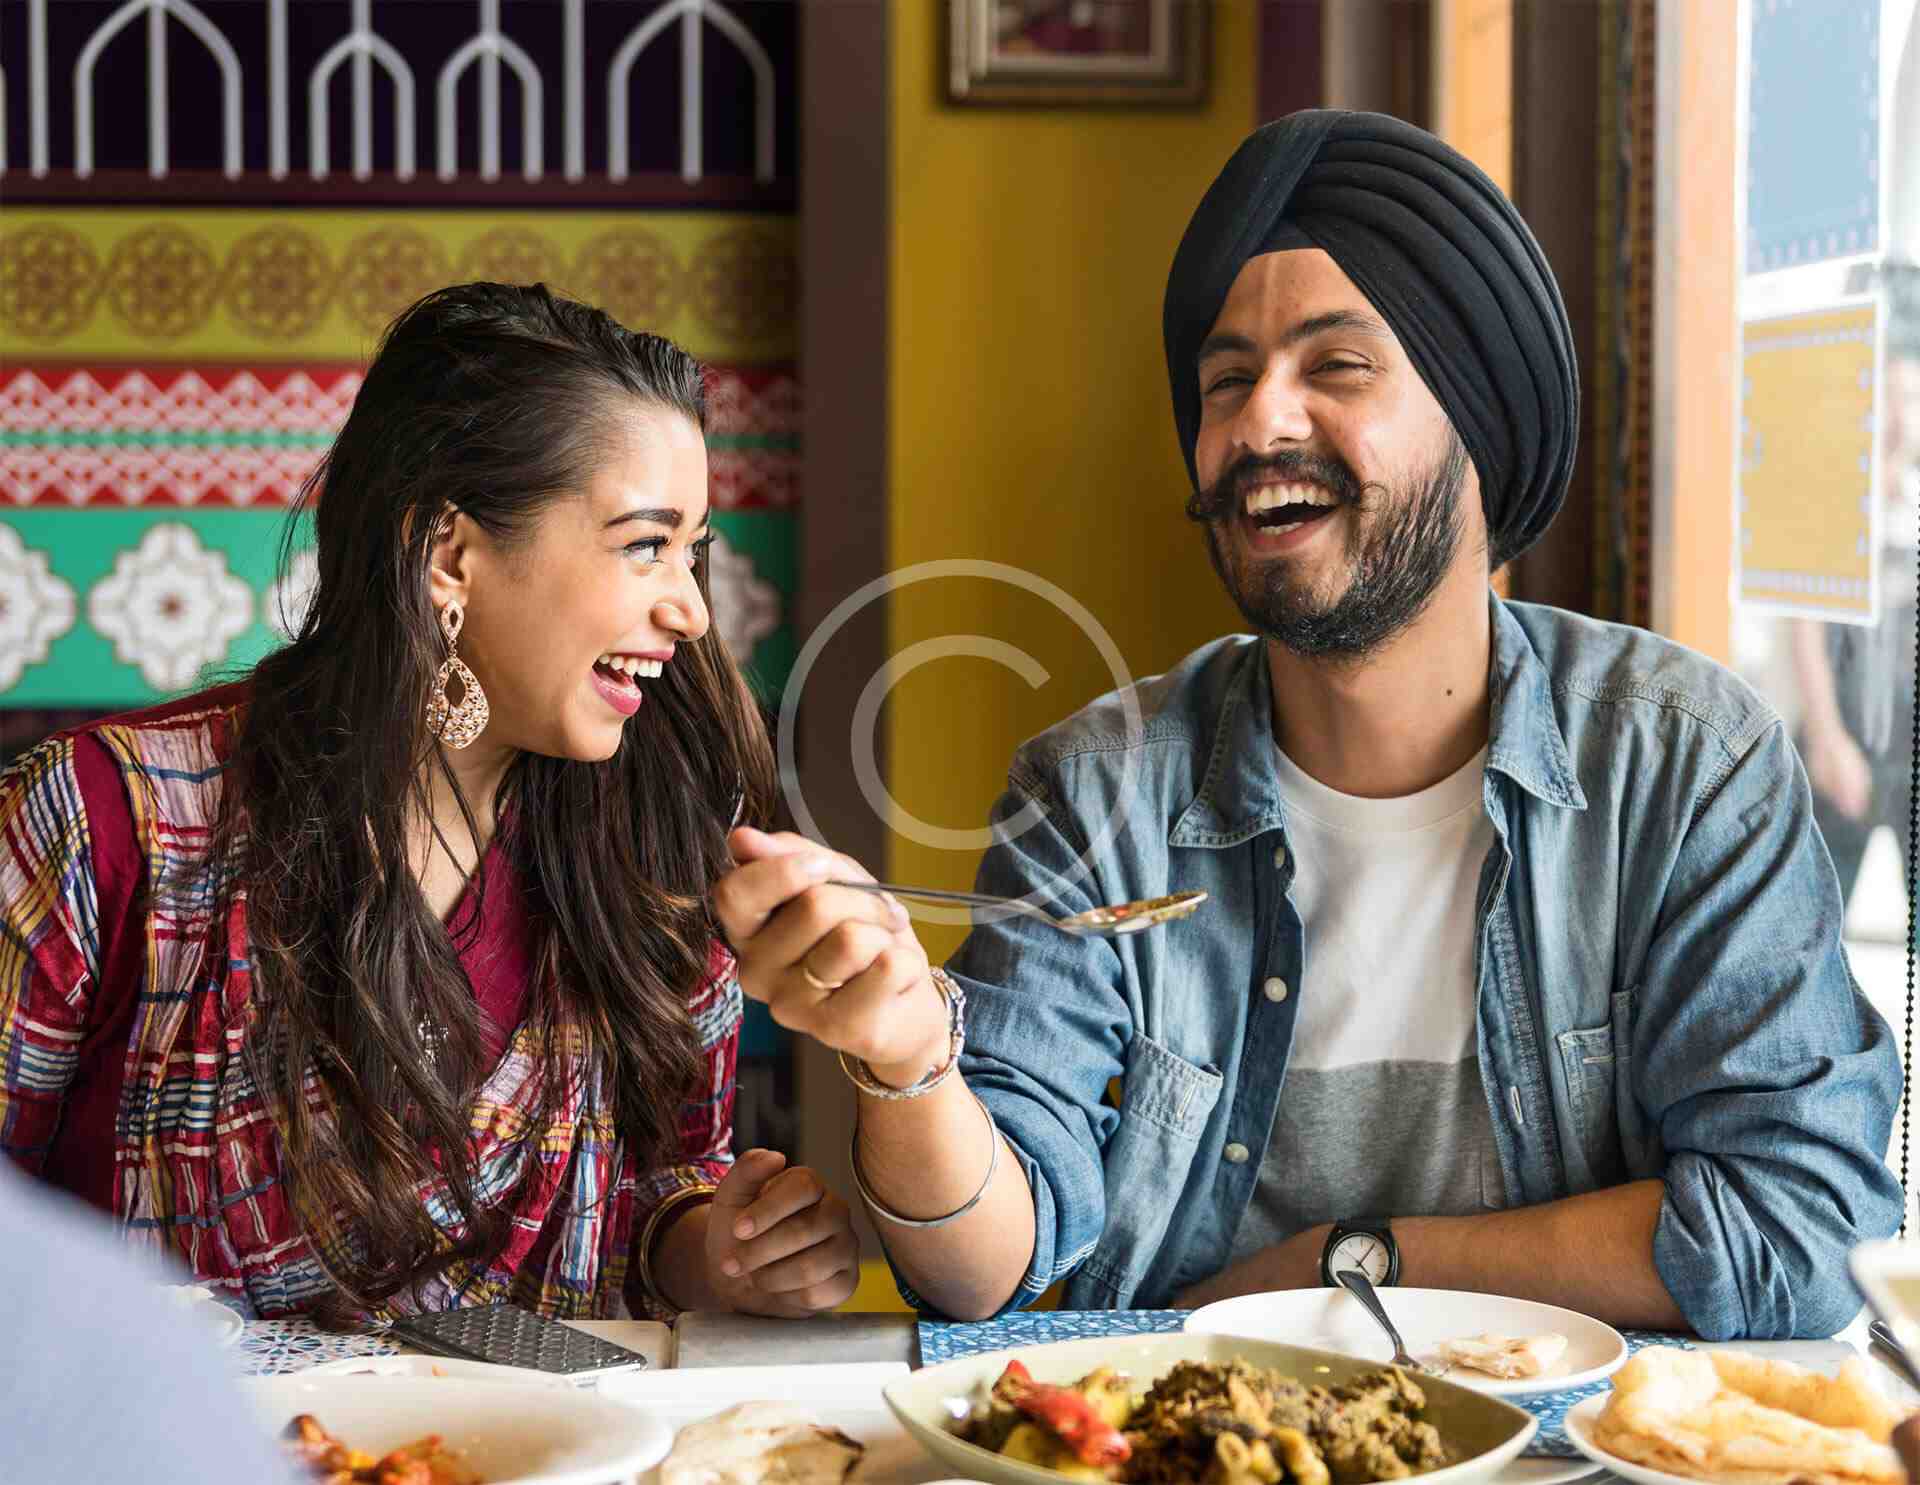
(117, 436)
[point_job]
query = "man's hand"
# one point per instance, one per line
(779, 1242)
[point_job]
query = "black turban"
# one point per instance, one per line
(1442, 255)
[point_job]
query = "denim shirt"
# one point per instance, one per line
(1662, 990)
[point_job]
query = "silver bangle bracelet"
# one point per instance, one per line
(861, 1075)
(880, 1209)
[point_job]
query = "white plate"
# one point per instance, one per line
(1579, 1429)
(1492, 1431)
(510, 1435)
(1333, 1320)
(1547, 1471)
(410, 1364)
(222, 1325)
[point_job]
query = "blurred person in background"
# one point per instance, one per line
(384, 979)
(1856, 681)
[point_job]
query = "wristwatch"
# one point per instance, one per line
(1365, 1243)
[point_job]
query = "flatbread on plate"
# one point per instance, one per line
(1740, 1419)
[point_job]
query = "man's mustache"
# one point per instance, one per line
(1292, 466)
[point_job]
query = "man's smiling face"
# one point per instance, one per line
(1331, 482)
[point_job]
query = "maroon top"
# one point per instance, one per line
(497, 959)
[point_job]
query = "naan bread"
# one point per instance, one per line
(1741, 1420)
(1505, 1356)
(1848, 1400)
(760, 1443)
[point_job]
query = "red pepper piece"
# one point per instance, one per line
(1066, 1414)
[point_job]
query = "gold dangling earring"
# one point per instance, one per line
(456, 724)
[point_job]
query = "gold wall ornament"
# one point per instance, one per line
(456, 724)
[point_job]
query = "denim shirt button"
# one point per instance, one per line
(1280, 858)
(1276, 989)
(1235, 1154)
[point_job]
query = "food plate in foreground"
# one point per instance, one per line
(1333, 1320)
(1681, 1417)
(505, 1435)
(1478, 1434)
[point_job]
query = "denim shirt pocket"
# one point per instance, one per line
(1598, 1067)
(1165, 1104)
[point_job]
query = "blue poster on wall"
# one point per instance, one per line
(1813, 136)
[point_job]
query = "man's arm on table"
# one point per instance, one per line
(1046, 1028)
(1763, 1074)
(1592, 1253)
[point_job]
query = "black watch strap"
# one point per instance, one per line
(1378, 1228)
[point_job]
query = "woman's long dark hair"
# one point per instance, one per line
(490, 400)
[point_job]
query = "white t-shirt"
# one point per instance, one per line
(1382, 1113)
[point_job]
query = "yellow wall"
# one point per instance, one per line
(1030, 422)
(1473, 82)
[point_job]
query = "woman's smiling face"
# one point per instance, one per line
(566, 625)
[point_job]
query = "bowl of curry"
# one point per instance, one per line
(1202, 1410)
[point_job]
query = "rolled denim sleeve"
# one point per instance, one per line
(1047, 1025)
(1771, 1080)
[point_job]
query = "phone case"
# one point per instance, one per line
(510, 1336)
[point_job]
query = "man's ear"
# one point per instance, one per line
(450, 559)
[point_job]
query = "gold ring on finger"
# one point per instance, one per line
(825, 987)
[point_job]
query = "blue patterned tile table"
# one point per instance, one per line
(944, 1342)
(273, 1348)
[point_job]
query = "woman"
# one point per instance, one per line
(385, 979)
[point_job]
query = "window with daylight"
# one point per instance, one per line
(1826, 534)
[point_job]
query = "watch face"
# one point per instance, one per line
(1361, 1250)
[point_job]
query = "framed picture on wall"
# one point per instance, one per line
(1077, 51)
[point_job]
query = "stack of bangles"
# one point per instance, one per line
(862, 1077)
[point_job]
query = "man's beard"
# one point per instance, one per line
(1397, 560)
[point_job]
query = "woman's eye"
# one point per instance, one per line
(1343, 366)
(649, 548)
(697, 551)
(1232, 379)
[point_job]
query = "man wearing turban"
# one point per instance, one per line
(1520, 970)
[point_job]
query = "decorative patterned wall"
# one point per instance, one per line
(178, 345)
(170, 377)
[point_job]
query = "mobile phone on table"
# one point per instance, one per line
(508, 1335)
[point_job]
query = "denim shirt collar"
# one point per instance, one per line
(1525, 741)
(1240, 796)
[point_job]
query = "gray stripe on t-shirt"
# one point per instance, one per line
(1374, 1139)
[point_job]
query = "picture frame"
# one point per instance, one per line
(1078, 52)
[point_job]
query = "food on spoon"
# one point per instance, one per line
(1505, 1356)
(761, 1443)
(1739, 1419)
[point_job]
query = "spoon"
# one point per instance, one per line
(1362, 1289)
(1100, 922)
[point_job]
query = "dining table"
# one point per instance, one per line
(720, 1359)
